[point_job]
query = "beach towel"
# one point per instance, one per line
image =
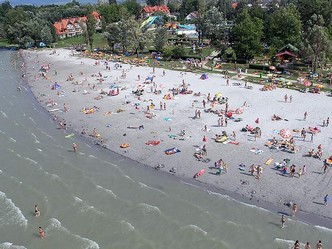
(172, 151)
(172, 136)
(168, 119)
(152, 142)
(269, 161)
(234, 142)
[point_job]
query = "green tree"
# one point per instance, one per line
(154, 2)
(246, 35)
(112, 35)
(112, 1)
(46, 35)
(133, 7)
(110, 12)
(317, 43)
(213, 24)
(160, 39)
(284, 26)
(90, 28)
(137, 39)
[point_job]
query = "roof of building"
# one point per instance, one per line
(154, 9)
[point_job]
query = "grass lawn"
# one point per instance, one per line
(3, 42)
(98, 41)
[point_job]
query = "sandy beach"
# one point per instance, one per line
(171, 123)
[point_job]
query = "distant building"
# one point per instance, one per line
(150, 10)
(192, 16)
(70, 27)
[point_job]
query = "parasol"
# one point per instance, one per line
(284, 133)
(272, 67)
(306, 83)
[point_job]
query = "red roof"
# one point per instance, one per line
(154, 9)
(61, 26)
(286, 53)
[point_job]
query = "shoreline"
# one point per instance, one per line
(234, 192)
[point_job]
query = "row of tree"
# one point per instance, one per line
(243, 31)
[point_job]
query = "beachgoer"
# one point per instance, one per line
(41, 233)
(283, 220)
(290, 99)
(164, 73)
(307, 246)
(234, 135)
(296, 245)
(312, 138)
(326, 199)
(300, 172)
(75, 147)
(165, 106)
(319, 245)
(303, 134)
(204, 139)
(324, 124)
(37, 211)
(65, 108)
(204, 103)
(327, 121)
(305, 115)
(286, 98)
(294, 209)
(325, 166)
(304, 169)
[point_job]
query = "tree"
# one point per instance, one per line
(317, 43)
(46, 35)
(133, 7)
(284, 26)
(112, 35)
(90, 28)
(154, 2)
(110, 12)
(112, 1)
(246, 35)
(213, 24)
(160, 39)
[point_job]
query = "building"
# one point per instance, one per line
(150, 10)
(74, 26)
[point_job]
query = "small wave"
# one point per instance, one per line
(149, 208)
(33, 121)
(35, 137)
(10, 150)
(219, 195)
(149, 187)
(195, 228)
(129, 226)
(46, 134)
(107, 191)
(92, 156)
(8, 245)
(128, 177)
(55, 177)
(12, 213)
(31, 160)
(56, 225)
(85, 207)
(290, 243)
(253, 206)
(4, 114)
(40, 150)
(324, 228)
(12, 139)
(3, 133)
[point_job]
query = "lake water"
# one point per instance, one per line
(97, 199)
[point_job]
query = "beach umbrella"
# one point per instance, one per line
(239, 110)
(284, 133)
(306, 83)
(272, 67)
(319, 85)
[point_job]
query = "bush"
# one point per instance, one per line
(168, 52)
(178, 52)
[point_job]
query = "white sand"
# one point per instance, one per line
(307, 191)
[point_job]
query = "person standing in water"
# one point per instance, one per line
(37, 211)
(283, 220)
(41, 233)
(75, 147)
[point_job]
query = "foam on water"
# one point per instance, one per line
(289, 243)
(35, 137)
(3, 133)
(110, 192)
(31, 160)
(4, 114)
(146, 186)
(12, 139)
(325, 229)
(9, 245)
(33, 121)
(56, 225)
(128, 177)
(219, 195)
(86, 208)
(128, 225)
(195, 228)
(149, 208)
(12, 214)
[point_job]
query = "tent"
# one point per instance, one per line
(204, 76)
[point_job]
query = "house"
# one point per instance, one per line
(192, 16)
(74, 26)
(150, 10)
(287, 52)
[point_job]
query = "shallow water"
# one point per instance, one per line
(97, 199)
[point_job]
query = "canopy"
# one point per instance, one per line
(307, 83)
(284, 133)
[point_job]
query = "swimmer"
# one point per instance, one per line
(283, 220)
(41, 233)
(37, 211)
(19, 88)
(75, 147)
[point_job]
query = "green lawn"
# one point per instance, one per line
(3, 42)
(98, 41)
